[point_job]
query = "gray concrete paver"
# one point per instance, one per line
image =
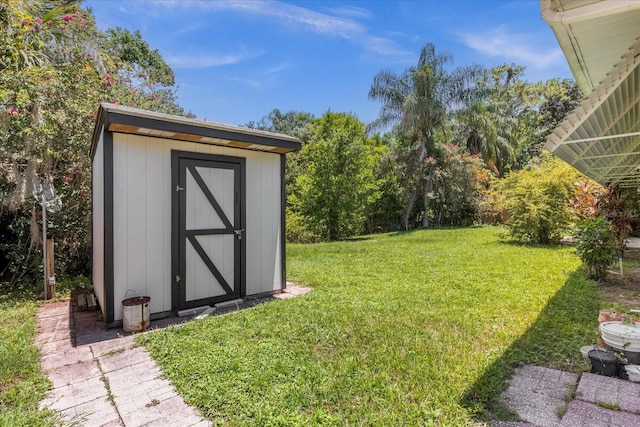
(630, 388)
(90, 365)
(95, 413)
(88, 390)
(596, 388)
(112, 346)
(57, 346)
(625, 419)
(59, 399)
(114, 423)
(185, 417)
(123, 359)
(511, 424)
(539, 394)
(531, 371)
(140, 418)
(71, 356)
(580, 413)
(69, 374)
(81, 358)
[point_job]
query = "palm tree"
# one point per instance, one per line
(489, 123)
(489, 131)
(418, 103)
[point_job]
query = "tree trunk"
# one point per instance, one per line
(409, 208)
(428, 187)
(423, 155)
(440, 208)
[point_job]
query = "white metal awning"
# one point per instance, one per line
(601, 138)
(601, 40)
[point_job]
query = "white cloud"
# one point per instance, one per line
(249, 82)
(351, 11)
(277, 69)
(208, 60)
(187, 29)
(284, 12)
(399, 34)
(386, 47)
(520, 48)
(261, 78)
(341, 22)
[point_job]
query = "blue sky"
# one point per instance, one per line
(235, 61)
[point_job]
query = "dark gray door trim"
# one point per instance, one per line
(180, 162)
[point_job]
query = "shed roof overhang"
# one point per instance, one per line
(601, 138)
(116, 118)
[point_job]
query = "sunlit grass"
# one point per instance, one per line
(407, 329)
(22, 384)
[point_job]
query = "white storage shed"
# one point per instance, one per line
(187, 212)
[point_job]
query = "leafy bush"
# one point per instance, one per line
(536, 201)
(52, 78)
(298, 230)
(339, 186)
(458, 184)
(612, 205)
(595, 245)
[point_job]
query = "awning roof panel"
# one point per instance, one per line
(593, 34)
(601, 138)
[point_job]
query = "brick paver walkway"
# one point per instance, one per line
(99, 377)
(548, 397)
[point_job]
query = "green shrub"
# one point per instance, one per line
(536, 201)
(297, 230)
(595, 245)
(339, 186)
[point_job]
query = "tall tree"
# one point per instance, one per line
(339, 185)
(28, 30)
(458, 186)
(292, 123)
(56, 73)
(557, 99)
(497, 123)
(418, 103)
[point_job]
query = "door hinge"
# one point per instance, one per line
(178, 188)
(177, 279)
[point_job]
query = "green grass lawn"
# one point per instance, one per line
(22, 384)
(403, 329)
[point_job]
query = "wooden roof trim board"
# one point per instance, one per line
(116, 118)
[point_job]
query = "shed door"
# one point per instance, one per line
(208, 229)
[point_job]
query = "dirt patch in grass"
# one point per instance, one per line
(624, 291)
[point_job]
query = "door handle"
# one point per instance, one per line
(239, 233)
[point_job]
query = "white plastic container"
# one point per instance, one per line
(585, 352)
(633, 371)
(623, 338)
